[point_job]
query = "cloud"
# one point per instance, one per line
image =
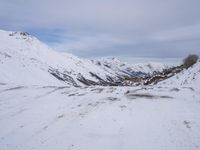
(89, 28)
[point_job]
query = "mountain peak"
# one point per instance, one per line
(23, 34)
(32, 61)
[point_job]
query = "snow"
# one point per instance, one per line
(39, 112)
(26, 60)
(123, 67)
(49, 118)
(187, 78)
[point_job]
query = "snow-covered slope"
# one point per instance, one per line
(187, 78)
(26, 60)
(123, 68)
(38, 117)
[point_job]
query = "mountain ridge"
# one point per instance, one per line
(25, 59)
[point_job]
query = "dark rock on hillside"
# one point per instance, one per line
(153, 78)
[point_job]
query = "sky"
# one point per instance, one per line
(127, 29)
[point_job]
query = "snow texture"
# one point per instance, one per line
(40, 112)
(26, 60)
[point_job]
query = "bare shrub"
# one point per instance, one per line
(190, 60)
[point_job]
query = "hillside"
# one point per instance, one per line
(187, 78)
(102, 117)
(26, 60)
(46, 103)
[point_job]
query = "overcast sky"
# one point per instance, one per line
(95, 28)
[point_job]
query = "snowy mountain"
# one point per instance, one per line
(26, 60)
(102, 117)
(125, 69)
(39, 110)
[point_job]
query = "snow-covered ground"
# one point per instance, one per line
(163, 116)
(109, 118)
(40, 112)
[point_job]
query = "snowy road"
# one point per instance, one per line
(99, 118)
